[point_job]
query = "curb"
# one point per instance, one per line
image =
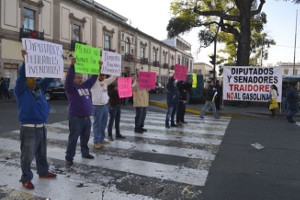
(198, 112)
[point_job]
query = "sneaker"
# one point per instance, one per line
(201, 117)
(138, 131)
(69, 162)
(167, 126)
(89, 156)
(48, 175)
(174, 125)
(179, 124)
(97, 146)
(110, 138)
(144, 130)
(120, 136)
(104, 142)
(28, 185)
(184, 122)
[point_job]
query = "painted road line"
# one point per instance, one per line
(156, 170)
(167, 150)
(199, 139)
(64, 187)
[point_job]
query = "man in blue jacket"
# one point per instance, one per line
(33, 112)
(172, 102)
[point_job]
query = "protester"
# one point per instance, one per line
(293, 100)
(2, 88)
(285, 104)
(273, 105)
(114, 112)
(80, 110)
(100, 99)
(140, 102)
(183, 90)
(33, 112)
(6, 88)
(211, 93)
(219, 95)
(172, 102)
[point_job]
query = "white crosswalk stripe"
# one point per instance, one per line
(182, 143)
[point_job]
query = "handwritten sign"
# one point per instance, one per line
(124, 87)
(43, 59)
(111, 63)
(87, 59)
(180, 72)
(147, 80)
(194, 80)
(250, 83)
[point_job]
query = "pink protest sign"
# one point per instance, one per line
(147, 80)
(124, 87)
(180, 72)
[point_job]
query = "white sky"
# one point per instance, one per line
(152, 16)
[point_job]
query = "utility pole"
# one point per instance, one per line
(295, 44)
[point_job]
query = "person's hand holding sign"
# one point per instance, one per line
(23, 52)
(73, 61)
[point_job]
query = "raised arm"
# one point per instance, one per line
(21, 80)
(69, 84)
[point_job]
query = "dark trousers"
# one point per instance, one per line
(217, 102)
(293, 109)
(140, 117)
(78, 126)
(33, 144)
(114, 116)
(180, 111)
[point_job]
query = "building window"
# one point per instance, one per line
(295, 72)
(165, 58)
(142, 52)
(178, 60)
(127, 46)
(155, 56)
(107, 42)
(29, 19)
(76, 32)
(286, 72)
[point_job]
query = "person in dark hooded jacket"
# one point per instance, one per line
(183, 90)
(172, 102)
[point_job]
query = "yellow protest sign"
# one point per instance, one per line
(194, 80)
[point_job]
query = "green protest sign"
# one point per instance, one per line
(87, 59)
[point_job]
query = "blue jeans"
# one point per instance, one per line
(140, 116)
(33, 144)
(78, 126)
(114, 116)
(100, 123)
(172, 109)
(213, 107)
(293, 109)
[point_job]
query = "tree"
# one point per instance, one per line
(228, 16)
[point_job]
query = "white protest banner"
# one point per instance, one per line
(43, 59)
(251, 83)
(111, 63)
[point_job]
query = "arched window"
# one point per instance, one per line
(127, 46)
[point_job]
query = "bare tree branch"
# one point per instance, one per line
(255, 12)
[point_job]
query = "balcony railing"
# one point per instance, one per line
(144, 60)
(128, 57)
(111, 50)
(28, 33)
(166, 65)
(73, 43)
(156, 63)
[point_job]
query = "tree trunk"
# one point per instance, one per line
(243, 51)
